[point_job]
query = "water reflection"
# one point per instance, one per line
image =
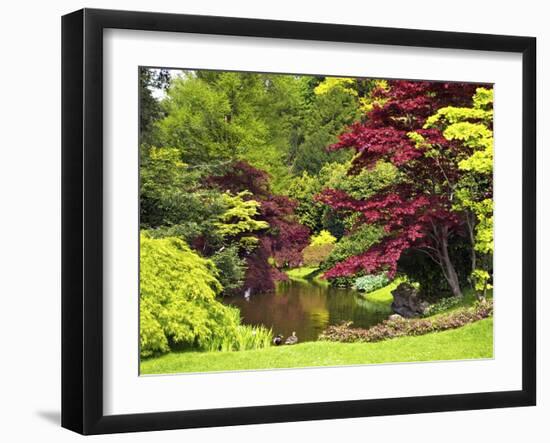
(307, 308)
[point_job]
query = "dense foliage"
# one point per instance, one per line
(372, 282)
(417, 210)
(323, 238)
(314, 255)
(178, 306)
(280, 245)
(247, 176)
(443, 305)
(178, 292)
(356, 242)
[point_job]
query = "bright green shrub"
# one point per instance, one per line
(314, 255)
(303, 189)
(178, 305)
(238, 217)
(243, 338)
(323, 238)
(372, 282)
(151, 335)
(481, 279)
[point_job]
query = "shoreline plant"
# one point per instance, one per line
(400, 327)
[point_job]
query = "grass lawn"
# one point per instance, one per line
(302, 273)
(468, 300)
(309, 274)
(383, 295)
(468, 342)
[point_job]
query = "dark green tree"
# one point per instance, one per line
(149, 107)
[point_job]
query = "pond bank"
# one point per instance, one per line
(304, 273)
(472, 341)
(306, 307)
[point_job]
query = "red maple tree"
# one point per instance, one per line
(285, 238)
(416, 211)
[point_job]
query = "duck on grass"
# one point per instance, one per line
(291, 340)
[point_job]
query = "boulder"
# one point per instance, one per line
(407, 301)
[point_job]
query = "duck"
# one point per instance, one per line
(278, 340)
(292, 340)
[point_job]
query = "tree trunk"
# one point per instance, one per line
(447, 266)
(451, 277)
(470, 223)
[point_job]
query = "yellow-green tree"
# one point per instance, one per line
(323, 238)
(237, 221)
(178, 305)
(473, 127)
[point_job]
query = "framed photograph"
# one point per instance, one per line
(269, 221)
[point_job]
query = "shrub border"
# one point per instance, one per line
(401, 327)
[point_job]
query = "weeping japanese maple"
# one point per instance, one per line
(416, 211)
(285, 238)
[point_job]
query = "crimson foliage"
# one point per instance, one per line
(285, 238)
(415, 211)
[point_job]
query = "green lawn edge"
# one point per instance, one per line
(302, 273)
(473, 341)
(382, 295)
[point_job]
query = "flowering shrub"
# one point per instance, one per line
(407, 327)
(372, 282)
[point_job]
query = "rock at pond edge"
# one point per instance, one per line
(407, 301)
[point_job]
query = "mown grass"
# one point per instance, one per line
(469, 342)
(307, 274)
(468, 300)
(302, 273)
(383, 295)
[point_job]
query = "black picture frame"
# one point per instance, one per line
(82, 219)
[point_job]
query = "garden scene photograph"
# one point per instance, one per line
(294, 221)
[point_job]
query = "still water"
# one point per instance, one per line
(307, 308)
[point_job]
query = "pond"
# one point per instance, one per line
(308, 308)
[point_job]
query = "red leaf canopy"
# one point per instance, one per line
(416, 211)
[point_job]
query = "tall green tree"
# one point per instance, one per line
(202, 123)
(217, 117)
(172, 200)
(149, 106)
(327, 116)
